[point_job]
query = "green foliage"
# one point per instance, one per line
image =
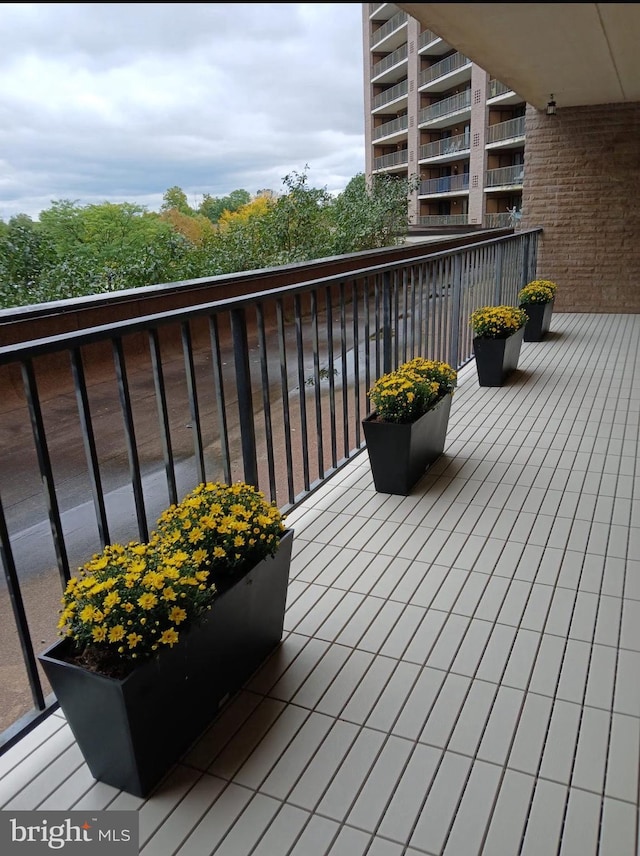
(370, 216)
(175, 199)
(537, 291)
(407, 393)
(212, 207)
(497, 322)
(75, 250)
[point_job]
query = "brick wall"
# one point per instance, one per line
(582, 185)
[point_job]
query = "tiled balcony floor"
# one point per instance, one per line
(460, 672)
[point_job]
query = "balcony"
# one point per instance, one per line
(382, 70)
(394, 159)
(394, 93)
(449, 72)
(506, 134)
(394, 128)
(450, 148)
(501, 220)
(391, 34)
(459, 673)
(445, 184)
(430, 220)
(440, 114)
(505, 177)
(430, 44)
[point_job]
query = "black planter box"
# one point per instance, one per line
(539, 315)
(399, 454)
(496, 359)
(132, 730)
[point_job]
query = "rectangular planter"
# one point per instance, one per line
(132, 730)
(496, 359)
(539, 322)
(399, 454)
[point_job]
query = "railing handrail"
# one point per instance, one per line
(452, 104)
(72, 339)
(506, 130)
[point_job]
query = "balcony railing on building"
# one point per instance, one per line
(400, 158)
(388, 62)
(513, 129)
(388, 28)
(395, 126)
(506, 176)
(443, 220)
(495, 88)
(441, 69)
(448, 106)
(460, 144)
(269, 387)
(426, 37)
(398, 91)
(444, 184)
(500, 220)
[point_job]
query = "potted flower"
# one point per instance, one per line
(157, 635)
(498, 332)
(537, 298)
(407, 429)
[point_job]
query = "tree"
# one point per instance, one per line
(176, 199)
(369, 216)
(212, 207)
(301, 220)
(20, 259)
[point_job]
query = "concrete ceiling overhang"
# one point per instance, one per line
(582, 53)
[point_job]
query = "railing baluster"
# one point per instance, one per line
(266, 401)
(163, 415)
(304, 438)
(19, 614)
(286, 415)
(357, 413)
(218, 383)
(88, 440)
(317, 378)
(343, 356)
(46, 473)
(130, 437)
(332, 381)
(192, 391)
(245, 397)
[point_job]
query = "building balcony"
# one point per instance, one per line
(396, 128)
(437, 220)
(499, 93)
(508, 134)
(450, 148)
(441, 114)
(505, 177)
(392, 66)
(459, 670)
(394, 159)
(445, 184)
(501, 220)
(430, 44)
(391, 34)
(452, 71)
(397, 93)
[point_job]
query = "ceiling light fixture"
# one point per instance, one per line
(551, 106)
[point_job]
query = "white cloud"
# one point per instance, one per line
(120, 101)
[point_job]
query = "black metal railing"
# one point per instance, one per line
(105, 427)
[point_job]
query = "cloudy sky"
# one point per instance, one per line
(117, 102)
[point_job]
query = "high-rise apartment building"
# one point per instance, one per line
(430, 112)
